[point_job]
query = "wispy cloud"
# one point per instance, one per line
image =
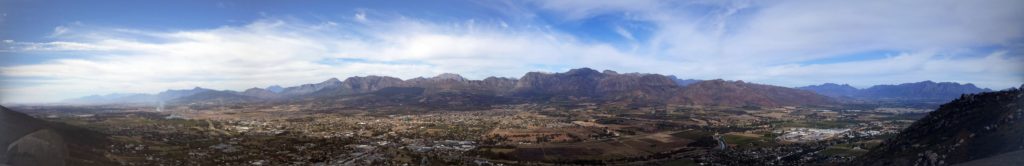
(624, 33)
(59, 30)
(736, 39)
(360, 15)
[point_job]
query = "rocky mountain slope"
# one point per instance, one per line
(973, 127)
(588, 84)
(733, 93)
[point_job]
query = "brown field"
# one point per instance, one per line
(621, 147)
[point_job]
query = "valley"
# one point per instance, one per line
(521, 134)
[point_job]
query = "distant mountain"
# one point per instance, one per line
(919, 91)
(583, 84)
(261, 93)
(275, 88)
(214, 97)
(834, 90)
(310, 88)
(739, 93)
(975, 126)
(113, 98)
(173, 94)
(925, 90)
(137, 98)
(30, 141)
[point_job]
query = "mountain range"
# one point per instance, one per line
(164, 96)
(582, 84)
(939, 92)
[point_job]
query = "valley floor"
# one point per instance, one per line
(527, 134)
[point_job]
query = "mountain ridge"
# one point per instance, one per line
(581, 84)
(927, 91)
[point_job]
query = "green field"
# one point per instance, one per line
(742, 141)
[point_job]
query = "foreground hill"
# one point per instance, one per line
(973, 127)
(30, 141)
(919, 91)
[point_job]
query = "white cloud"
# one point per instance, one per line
(739, 40)
(768, 42)
(271, 51)
(992, 70)
(624, 33)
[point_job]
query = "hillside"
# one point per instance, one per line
(30, 141)
(973, 127)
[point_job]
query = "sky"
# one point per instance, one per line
(55, 50)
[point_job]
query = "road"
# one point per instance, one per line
(721, 142)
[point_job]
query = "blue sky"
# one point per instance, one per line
(53, 50)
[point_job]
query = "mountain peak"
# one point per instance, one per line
(275, 88)
(332, 80)
(449, 76)
(582, 71)
(831, 84)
